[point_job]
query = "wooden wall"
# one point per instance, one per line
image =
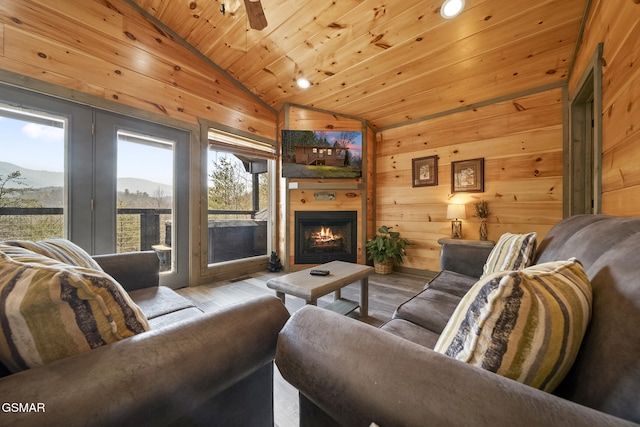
(521, 143)
(107, 54)
(617, 25)
(351, 194)
(109, 50)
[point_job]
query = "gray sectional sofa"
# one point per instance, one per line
(349, 373)
(192, 368)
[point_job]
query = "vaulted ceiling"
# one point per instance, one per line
(388, 62)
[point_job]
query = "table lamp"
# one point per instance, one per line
(456, 212)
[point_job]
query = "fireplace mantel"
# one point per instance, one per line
(349, 185)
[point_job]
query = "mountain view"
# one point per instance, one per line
(43, 179)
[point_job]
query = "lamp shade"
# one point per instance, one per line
(456, 212)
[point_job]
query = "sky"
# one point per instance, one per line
(355, 147)
(41, 147)
(31, 145)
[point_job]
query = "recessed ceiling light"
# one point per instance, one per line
(451, 8)
(303, 83)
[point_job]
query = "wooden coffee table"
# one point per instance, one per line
(303, 285)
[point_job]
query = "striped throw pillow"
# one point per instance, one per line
(512, 252)
(62, 250)
(526, 325)
(50, 310)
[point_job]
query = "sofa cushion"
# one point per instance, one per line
(512, 252)
(50, 310)
(412, 332)
(432, 308)
(159, 301)
(175, 317)
(62, 250)
(526, 325)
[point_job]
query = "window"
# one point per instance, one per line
(145, 194)
(108, 182)
(32, 174)
(141, 196)
(238, 197)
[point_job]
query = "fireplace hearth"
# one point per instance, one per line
(324, 236)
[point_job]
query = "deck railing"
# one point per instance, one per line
(31, 223)
(143, 228)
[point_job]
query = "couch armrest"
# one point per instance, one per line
(464, 257)
(133, 270)
(152, 378)
(358, 374)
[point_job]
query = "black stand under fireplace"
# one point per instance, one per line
(325, 236)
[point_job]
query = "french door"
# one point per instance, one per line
(141, 191)
(121, 184)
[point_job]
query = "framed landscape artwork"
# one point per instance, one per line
(425, 171)
(321, 154)
(467, 176)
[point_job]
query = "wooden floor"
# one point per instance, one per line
(386, 292)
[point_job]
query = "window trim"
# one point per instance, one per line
(109, 123)
(266, 149)
(79, 113)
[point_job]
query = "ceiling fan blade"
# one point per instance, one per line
(257, 20)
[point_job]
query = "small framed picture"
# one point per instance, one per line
(467, 176)
(425, 171)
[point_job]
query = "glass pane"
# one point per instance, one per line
(32, 174)
(238, 198)
(145, 195)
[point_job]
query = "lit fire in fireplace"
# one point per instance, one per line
(324, 235)
(325, 239)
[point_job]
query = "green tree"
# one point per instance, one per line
(228, 186)
(291, 139)
(12, 191)
(264, 191)
(347, 158)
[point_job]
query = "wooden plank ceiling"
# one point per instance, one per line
(387, 62)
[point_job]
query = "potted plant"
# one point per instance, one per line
(482, 212)
(386, 248)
